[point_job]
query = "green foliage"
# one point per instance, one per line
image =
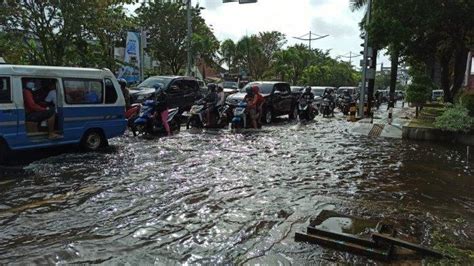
(467, 100)
(254, 54)
(331, 73)
(456, 119)
(62, 32)
(166, 23)
(418, 93)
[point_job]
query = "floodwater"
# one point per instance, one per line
(222, 198)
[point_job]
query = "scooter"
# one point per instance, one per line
(198, 115)
(305, 111)
(345, 105)
(326, 108)
(239, 120)
(148, 123)
(132, 113)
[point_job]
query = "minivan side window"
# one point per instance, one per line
(110, 92)
(5, 91)
(83, 91)
(176, 87)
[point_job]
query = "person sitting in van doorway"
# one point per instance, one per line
(37, 113)
(126, 92)
(51, 98)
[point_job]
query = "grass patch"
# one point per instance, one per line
(421, 123)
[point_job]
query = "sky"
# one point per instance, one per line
(294, 18)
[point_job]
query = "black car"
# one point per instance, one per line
(278, 99)
(182, 91)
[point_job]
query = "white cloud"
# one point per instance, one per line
(291, 17)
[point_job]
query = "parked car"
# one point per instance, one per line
(230, 87)
(278, 99)
(297, 90)
(318, 95)
(88, 103)
(353, 91)
(437, 95)
(182, 91)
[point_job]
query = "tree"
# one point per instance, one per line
(228, 51)
(166, 24)
(417, 31)
(419, 91)
(255, 53)
(61, 32)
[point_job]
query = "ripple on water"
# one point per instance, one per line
(218, 197)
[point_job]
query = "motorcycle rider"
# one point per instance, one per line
(259, 101)
(162, 108)
(308, 96)
(251, 100)
(329, 94)
(211, 100)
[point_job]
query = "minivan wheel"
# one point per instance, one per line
(93, 140)
(268, 117)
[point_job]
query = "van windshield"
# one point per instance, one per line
(152, 82)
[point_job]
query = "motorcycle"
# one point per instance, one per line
(305, 111)
(240, 116)
(345, 105)
(326, 107)
(198, 114)
(147, 123)
(132, 113)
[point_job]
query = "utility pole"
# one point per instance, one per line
(309, 38)
(189, 45)
(142, 54)
(365, 63)
(350, 56)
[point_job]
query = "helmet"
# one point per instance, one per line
(307, 89)
(219, 88)
(249, 90)
(212, 87)
(122, 82)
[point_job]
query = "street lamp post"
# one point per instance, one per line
(188, 39)
(365, 63)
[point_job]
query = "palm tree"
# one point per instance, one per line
(357, 4)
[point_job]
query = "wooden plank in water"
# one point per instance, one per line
(401, 243)
(342, 236)
(343, 246)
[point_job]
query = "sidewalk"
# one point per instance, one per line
(381, 126)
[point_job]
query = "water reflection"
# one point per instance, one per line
(218, 197)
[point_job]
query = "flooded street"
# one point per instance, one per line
(219, 197)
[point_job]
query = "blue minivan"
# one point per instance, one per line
(88, 107)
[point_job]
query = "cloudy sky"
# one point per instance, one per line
(294, 18)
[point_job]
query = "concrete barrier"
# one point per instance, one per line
(433, 134)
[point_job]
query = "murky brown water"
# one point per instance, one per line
(219, 197)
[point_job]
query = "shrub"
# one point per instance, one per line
(455, 119)
(467, 100)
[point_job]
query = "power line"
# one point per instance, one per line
(309, 37)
